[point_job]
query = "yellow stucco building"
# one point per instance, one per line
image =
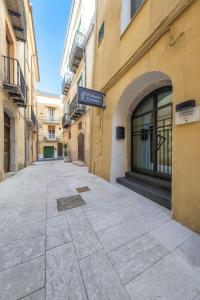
(18, 74)
(50, 132)
(147, 63)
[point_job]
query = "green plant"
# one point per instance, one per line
(65, 149)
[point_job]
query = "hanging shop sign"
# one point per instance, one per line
(90, 97)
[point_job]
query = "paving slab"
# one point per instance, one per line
(171, 234)
(135, 257)
(39, 295)
(63, 275)
(86, 245)
(172, 278)
(21, 232)
(21, 252)
(23, 279)
(190, 251)
(105, 221)
(114, 237)
(57, 232)
(78, 223)
(146, 222)
(100, 279)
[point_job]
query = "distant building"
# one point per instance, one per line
(50, 132)
(18, 74)
(76, 70)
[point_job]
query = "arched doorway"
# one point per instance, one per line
(81, 147)
(151, 134)
(7, 126)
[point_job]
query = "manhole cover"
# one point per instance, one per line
(70, 202)
(83, 189)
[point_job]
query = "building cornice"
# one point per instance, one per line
(161, 29)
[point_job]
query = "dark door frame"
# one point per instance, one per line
(154, 94)
(81, 147)
(7, 127)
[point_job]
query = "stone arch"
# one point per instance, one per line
(129, 99)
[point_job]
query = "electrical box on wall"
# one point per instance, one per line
(120, 133)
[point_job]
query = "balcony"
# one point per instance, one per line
(52, 120)
(17, 14)
(13, 81)
(76, 109)
(66, 121)
(51, 137)
(31, 119)
(77, 51)
(67, 81)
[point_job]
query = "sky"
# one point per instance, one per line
(50, 19)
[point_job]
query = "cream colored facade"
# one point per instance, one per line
(157, 47)
(50, 133)
(18, 75)
(76, 70)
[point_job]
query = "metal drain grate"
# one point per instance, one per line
(83, 189)
(70, 202)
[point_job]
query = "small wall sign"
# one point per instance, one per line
(120, 133)
(188, 116)
(90, 97)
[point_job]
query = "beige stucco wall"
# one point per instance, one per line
(175, 54)
(20, 154)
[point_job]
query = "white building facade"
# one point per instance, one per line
(77, 70)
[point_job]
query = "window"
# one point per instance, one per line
(70, 135)
(101, 32)
(135, 5)
(129, 9)
(51, 130)
(80, 125)
(51, 113)
(80, 81)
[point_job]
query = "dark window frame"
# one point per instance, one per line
(101, 32)
(135, 6)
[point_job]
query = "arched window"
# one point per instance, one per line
(152, 134)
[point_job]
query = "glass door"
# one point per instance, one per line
(152, 134)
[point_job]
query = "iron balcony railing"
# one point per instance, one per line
(51, 119)
(76, 109)
(77, 51)
(51, 137)
(66, 84)
(66, 120)
(31, 118)
(13, 80)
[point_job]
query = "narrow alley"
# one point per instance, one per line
(119, 245)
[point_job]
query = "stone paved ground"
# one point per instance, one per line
(119, 246)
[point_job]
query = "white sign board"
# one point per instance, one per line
(188, 116)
